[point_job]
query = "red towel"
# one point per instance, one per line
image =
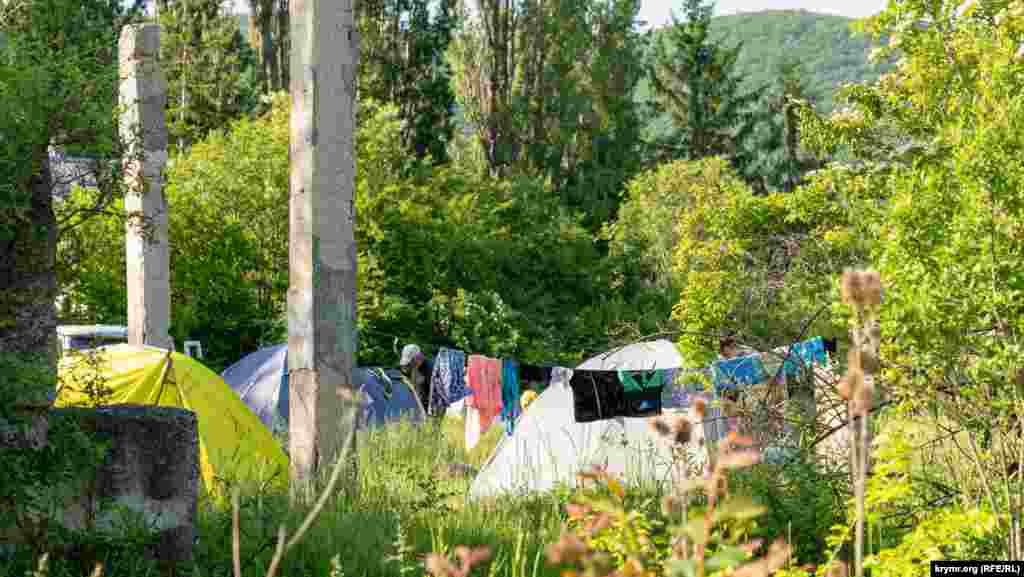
(485, 382)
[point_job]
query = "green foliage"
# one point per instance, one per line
(439, 242)
(745, 265)
(89, 262)
(831, 51)
(58, 80)
(931, 192)
(802, 501)
(402, 60)
(562, 109)
(695, 80)
(203, 58)
(777, 161)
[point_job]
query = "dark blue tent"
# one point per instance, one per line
(261, 380)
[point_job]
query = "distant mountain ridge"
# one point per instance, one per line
(830, 52)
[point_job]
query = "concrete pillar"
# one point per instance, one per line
(143, 96)
(322, 256)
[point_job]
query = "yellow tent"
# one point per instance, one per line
(233, 443)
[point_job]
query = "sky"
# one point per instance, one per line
(656, 12)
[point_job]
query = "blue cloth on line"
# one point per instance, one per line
(803, 354)
(457, 368)
(746, 370)
(509, 393)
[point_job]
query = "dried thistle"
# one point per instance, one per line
(860, 405)
(739, 459)
(869, 360)
(838, 569)
(844, 388)
(677, 430)
(871, 288)
(853, 357)
(671, 505)
(852, 288)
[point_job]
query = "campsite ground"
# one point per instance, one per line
(409, 504)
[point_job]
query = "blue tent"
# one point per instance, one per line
(261, 380)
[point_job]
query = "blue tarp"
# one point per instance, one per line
(261, 380)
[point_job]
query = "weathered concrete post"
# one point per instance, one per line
(143, 96)
(322, 257)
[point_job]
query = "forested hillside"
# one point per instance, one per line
(829, 52)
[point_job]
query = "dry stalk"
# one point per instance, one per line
(283, 546)
(862, 291)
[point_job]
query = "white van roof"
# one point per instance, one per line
(92, 331)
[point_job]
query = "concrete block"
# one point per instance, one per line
(151, 470)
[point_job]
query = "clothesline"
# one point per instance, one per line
(491, 388)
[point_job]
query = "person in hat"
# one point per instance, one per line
(416, 370)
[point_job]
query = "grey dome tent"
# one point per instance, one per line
(548, 447)
(261, 380)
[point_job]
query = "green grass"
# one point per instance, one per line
(407, 504)
(403, 481)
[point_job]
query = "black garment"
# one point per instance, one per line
(599, 395)
(830, 346)
(534, 377)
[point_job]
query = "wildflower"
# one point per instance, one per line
(700, 408)
(776, 558)
(739, 459)
(568, 549)
(577, 511)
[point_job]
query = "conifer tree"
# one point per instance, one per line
(695, 80)
(202, 55)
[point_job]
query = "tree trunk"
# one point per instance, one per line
(28, 312)
(282, 44)
(268, 57)
(28, 278)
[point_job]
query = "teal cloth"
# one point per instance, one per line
(806, 353)
(655, 379)
(509, 393)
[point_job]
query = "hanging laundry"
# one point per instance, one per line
(510, 393)
(745, 370)
(560, 376)
(647, 380)
(599, 395)
(457, 389)
(485, 384)
(804, 354)
(527, 398)
(534, 377)
(440, 382)
(472, 427)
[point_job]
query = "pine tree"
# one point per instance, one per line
(695, 80)
(202, 53)
(402, 60)
(780, 164)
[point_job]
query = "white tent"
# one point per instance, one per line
(660, 354)
(549, 447)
